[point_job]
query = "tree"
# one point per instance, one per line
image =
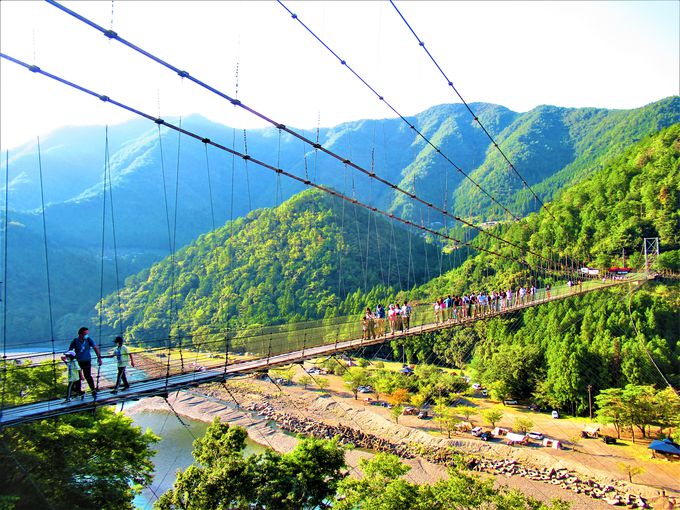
(667, 403)
(492, 416)
(305, 381)
(611, 408)
(441, 412)
(355, 377)
(466, 412)
(523, 424)
(380, 487)
(399, 396)
(396, 412)
(322, 383)
(639, 406)
(418, 400)
(222, 477)
(630, 470)
(77, 461)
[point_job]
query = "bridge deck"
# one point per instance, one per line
(164, 385)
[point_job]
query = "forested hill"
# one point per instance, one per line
(551, 353)
(183, 190)
(554, 148)
(294, 262)
(635, 195)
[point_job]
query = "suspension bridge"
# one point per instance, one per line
(181, 368)
(177, 364)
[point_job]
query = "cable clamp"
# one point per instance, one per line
(317, 145)
(235, 102)
(159, 121)
(294, 16)
(344, 63)
(246, 157)
(34, 69)
(281, 126)
(206, 140)
(450, 84)
(111, 34)
(104, 98)
(346, 161)
(422, 44)
(183, 74)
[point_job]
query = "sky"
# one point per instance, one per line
(517, 54)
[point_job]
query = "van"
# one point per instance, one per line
(555, 414)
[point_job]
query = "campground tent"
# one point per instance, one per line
(665, 447)
(514, 438)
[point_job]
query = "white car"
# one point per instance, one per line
(555, 414)
(535, 435)
(476, 386)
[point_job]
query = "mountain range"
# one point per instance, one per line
(163, 190)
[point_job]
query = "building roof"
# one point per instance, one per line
(665, 446)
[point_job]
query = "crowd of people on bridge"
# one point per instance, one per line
(456, 308)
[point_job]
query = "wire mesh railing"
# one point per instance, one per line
(29, 375)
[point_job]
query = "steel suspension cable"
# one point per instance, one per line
(47, 269)
(475, 117)
(426, 139)
(4, 289)
(113, 236)
(236, 102)
(394, 110)
(102, 254)
(248, 158)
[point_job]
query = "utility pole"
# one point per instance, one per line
(590, 401)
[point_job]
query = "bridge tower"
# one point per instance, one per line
(651, 248)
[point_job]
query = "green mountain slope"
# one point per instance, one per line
(295, 262)
(555, 147)
(551, 353)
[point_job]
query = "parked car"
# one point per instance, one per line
(313, 371)
(485, 393)
(422, 415)
(555, 414)
(365, 389)
(609, 439)
(534, 407)
(476, 386)
(477, 431)
(535, 435)
(486, 436)
(410, 411)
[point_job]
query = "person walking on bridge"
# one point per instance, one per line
(81, 345)
(124, 359)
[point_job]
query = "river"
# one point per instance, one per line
(173, 451)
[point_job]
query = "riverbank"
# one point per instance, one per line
(269, 415)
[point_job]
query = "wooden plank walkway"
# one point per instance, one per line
(165, 385)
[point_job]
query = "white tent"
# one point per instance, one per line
(515, 438)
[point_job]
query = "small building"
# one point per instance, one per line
(592, 431)
(665, 447)
(552, 443)
(500, 431)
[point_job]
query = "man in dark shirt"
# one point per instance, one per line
(81, 346)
